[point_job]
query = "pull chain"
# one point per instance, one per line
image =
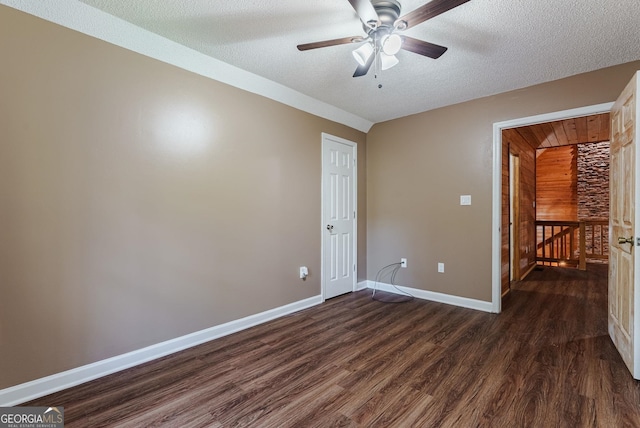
(376, 59)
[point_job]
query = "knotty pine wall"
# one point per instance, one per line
(557, 183)
(512, 142)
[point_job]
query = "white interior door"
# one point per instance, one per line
(623, 218)
(338, 216)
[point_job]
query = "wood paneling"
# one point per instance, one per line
(557, 183)
(545, 361)
(514, 143)
(587, 129)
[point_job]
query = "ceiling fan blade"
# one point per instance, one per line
(366, 12)
(364, 69)
(428, 11)
(422, 48)
(334, 42)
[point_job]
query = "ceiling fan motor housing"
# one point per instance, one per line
(388, 12)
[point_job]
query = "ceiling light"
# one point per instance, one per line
(387, 61)
(363, 53)
(391, 44)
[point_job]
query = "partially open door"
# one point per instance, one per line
(624, 290)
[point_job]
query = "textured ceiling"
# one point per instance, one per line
(494, 46)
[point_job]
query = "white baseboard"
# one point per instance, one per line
(362, 285)
(433, 296)
(47, 385)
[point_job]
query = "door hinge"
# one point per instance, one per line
(354, 268)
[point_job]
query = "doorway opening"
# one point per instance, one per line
(501, 253)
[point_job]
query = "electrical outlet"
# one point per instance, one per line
(440, 267)
(304, 272)
(403, 262)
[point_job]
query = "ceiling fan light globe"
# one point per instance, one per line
(391, 44)
(363, 53)
(388, 61)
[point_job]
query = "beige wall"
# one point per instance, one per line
(418, 166)
(141, 202)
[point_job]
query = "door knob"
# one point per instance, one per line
(329, 227)
(622, 240)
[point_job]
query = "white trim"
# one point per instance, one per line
(354, 151)
(636, 235)
(88, 20)
(355, 216)
(59, 381)
(362, 285)
(496, 239)
(432, 296)
(496, 244)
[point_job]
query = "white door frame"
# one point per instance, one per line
(354, 147)
(496, 244)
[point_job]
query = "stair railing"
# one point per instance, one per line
(571, 243)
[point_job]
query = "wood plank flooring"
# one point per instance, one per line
(546, 361)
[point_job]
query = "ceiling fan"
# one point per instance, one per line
(381, 21)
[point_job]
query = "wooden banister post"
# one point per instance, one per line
(582, 264)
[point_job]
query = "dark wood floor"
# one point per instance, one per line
(546, 361)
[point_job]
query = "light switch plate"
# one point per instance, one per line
(465, 199)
